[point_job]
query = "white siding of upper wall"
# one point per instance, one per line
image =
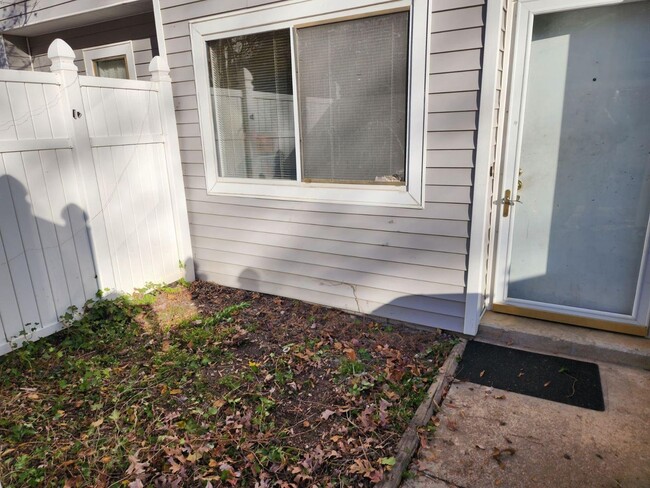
(140, 29)
(404, 264)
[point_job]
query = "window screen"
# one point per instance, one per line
(111, 68)
(353, 95)
(252, 97)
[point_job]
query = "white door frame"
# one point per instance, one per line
(637, 322)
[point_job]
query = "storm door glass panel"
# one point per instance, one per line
(252, 97)
(112, 68)
(578, 237)
(353, 94)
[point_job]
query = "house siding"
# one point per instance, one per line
(399, 263)
(16, 52)
(140, 29)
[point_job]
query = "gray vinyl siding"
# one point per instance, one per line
(140, 29)
(16, 51)
(403, 264)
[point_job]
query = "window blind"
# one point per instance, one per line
(252, 97)
(111, 68)
(353, 95)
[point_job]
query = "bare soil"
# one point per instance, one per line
(203, 385)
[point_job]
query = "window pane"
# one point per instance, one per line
(252, 97)
(111, 68)
(353, 95)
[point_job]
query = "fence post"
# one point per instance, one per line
(159, 70)
(62, 57)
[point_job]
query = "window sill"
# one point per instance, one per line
(375, 195)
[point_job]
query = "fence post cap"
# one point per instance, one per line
(62, 56)
(159, 69)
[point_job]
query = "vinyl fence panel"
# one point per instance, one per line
(88, 192)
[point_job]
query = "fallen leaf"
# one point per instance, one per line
(496, 455)
(194, 457)
(175, 391)
(546, 384)
(392, 395)
(136, 467)
(327, 414)
(389, 461)
(351, 354)
(363, 466)
(367, 422)
(383, 412)
(482, 373)
(98, 422)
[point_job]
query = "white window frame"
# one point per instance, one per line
(116, 50)
(294, 14)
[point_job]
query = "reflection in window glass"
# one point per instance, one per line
(252, 96)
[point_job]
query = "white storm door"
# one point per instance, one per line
(572, 243)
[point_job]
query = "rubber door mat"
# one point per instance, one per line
(552, 378)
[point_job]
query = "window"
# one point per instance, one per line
(110, 61)
(312, 101)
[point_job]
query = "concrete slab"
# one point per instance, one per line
(564, 340)
(555, 445)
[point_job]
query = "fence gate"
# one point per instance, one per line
(91, 192)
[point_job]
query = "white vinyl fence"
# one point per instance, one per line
(91, 191)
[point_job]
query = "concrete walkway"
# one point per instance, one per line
(554, 445)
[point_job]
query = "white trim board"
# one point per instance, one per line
(118, 49)
(482, 193)
(160, 30)
(292, 14)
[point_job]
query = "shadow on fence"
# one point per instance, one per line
(46, 262)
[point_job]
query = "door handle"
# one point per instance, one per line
(508, 202)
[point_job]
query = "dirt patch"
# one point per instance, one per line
(198, 385)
